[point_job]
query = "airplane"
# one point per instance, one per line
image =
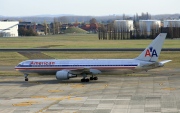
(70, 68)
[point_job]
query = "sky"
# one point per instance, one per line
(87, 7)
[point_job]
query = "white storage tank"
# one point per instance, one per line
(171, 23)
(123, 25)
(148, 25)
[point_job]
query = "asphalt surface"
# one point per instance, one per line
(156, 91)
(115, 49)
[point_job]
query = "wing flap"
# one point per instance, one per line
(79, 71)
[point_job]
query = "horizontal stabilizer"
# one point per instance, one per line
(165, 61)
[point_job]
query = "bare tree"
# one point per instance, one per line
(143, 30)
(123, 29)
(176, 30)
(56, 26)
(153, 30)
(102, 32)
(136, 29)
(110, 30)
(171, 30)
(45, 27)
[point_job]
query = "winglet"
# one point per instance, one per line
(152, 52)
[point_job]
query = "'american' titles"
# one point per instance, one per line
(42, 63)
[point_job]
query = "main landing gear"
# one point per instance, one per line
(84, 79)
(93, 78)
(26, 77)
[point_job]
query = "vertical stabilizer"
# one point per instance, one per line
(152, 52)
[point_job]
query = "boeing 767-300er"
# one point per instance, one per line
(65, 69)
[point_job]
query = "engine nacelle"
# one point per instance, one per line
(64, 75)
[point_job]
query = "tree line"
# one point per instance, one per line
(122, 32)
(26, 32)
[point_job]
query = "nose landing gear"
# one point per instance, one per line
(26, 77)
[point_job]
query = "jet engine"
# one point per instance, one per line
(64, 75)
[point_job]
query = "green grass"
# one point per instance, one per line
(10, 58)
(77, 41)
(10, 73)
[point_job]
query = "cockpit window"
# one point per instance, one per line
(19, 65)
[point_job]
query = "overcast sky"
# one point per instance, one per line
(87, 7)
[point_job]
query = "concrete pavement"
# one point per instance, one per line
(154, 92)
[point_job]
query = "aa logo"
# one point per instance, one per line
(151, 52)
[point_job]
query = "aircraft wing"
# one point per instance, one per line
(79, 71)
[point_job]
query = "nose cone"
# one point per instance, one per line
(18, 66)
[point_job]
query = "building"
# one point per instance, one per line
(146, 26)
(171, 23)
(123, 25)
(9, 28)
(38, 29)
(86, 27)
(26, 25)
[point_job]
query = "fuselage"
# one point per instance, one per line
(106, 66)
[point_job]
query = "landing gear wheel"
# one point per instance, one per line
(91, 78)
(26, 79)
(87, 80)
(95, 78)
(82, 80)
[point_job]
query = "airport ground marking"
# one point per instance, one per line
(169, 89)
(45, 108)
(57, 100)
(26, 103)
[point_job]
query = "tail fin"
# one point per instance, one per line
(152, 52)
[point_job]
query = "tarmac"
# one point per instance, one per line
(156, 91)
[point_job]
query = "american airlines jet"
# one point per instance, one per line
(65, 69)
